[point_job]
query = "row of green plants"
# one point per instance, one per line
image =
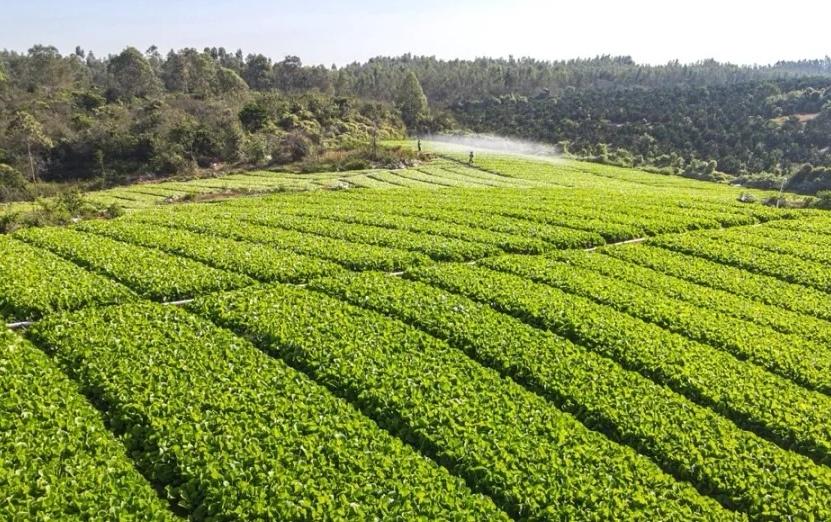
(520, 205)
(434, 180)
(381, 217)
(439, 248)
(684, 438)
(535, 461)
(146, 195)
(786, 267)
(395, 180)
(228, 433)
(255, 260)
(149, 272)
(817, 224)
(569, 210)
(568, 172)
(755, 399)
(57, 459)
(810, 246)
(348, 254)
(608, 226)
(444, 173)
(707, 298)
(35, 283)
(649, 205)
(697, 212)
(804, 362)
(758, 287)
(415, 211)
(454, 171)
(592, 175)
(446, 223)
(367, 181)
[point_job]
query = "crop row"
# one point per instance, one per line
(613, 225)
(715, 300)
(434, 179)
(149, 272)
(772, 406)
(728, 212)
(252, 259)
(532, 208)
(478, 206)
(656, 217)
(57, 459)
(436, 229)
(146, 195)
(509, 235)
(393, 178)
(802, 361)
(694, 443)
(805, 245)
(444, 220)
(785, 267)
(231, 433)
(472, 176)
(762, 288)
(533, 459)
(35, 282)
(816, 225)
(476, 177)
(637, 215)
(580, 174)
(364, 181)
(463, 176)
(477, 173)
(700, 213)
(440, 248)
(595, 177)
(351, 255)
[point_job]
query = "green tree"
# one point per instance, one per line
(30, 133)
(12, 183)
(46, 70)
(253, 117)
(191, 72)
(131, 75)
(257, 72)
(412, 102)
(229, 82)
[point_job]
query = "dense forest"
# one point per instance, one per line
(446, 82)
(107, 121)
(143, 114)
(757, 131)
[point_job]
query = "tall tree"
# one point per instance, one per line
(32, 136)
(257, 72)
(412, 102)
(46, 70)
(131, 75)
(229, 82)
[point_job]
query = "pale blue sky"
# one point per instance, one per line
(652, 31)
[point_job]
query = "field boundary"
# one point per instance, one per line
(627, 242)
(25, 324)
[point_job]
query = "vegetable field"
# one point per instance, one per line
(521, 338)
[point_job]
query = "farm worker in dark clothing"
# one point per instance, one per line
(470, 158)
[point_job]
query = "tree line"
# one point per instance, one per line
(760, 132)
(103, 121)
(144, 113)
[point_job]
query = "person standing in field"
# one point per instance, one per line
(419, 145)
(470, 158)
